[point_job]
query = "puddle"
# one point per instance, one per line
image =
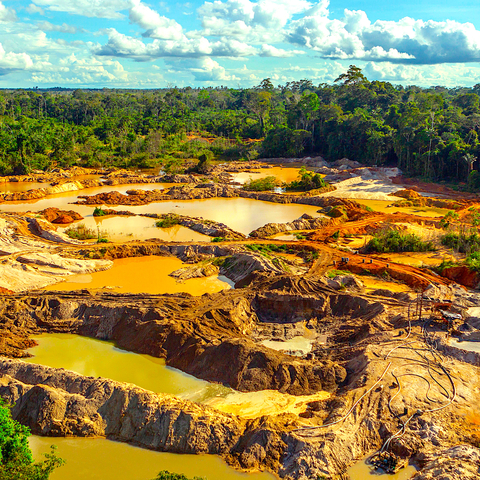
(100, 459)
(301, 344)
(362, 471)
(143, 275)
(12, 187)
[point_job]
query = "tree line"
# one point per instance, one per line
(427, 132)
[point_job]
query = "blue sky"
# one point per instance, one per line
(140, 44)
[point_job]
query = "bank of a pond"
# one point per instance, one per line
(99, 358)
(148, 274)
(100, 459)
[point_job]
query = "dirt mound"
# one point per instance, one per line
(61, 217)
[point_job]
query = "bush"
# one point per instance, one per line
(165, 475)
(81, 232)
(16, 461)
(462, 241)
(306, 181)
(98, 212)
(168, 222)
(394, 241)
(261, 185)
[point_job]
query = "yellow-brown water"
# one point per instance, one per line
(143, 275)
(100, 459)
(98, 358)
(383, 206)
(241, 214)
(121, 229)
(362, 471)
(12, 187)
(282, 174)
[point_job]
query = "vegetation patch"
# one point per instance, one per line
(16, 459)
(335, 273)
(261, 184)
(306, 181)
(168, 222)
(393, 241)
(98, 212)
(81, 232)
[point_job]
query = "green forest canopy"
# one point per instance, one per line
(428, 132)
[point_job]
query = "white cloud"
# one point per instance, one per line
(50, 27)
(406, 41)
(203, 69)
(261, 21)
(271, 51)
(35, 9)
(7, 14)
(156, 26)
(120, 45)
(10, 61)
(87, 8)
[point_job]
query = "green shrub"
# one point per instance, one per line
(334, 273)
(306, 181)
(98, 212)
(168, 222)
(394, 241)
(81, 232)
(165, 475)
(16, 460)
(462, 241)
(218, 239)
(261, 184)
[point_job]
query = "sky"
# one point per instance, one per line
(236, 43)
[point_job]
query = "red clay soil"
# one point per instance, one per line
(371, 223)
(462, 275)
(433, 188)
(416, 278)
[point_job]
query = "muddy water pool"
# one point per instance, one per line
(241, 214)
(283, 174)
(143, 275)
(108, 460)
(92, 357)
(362, 471)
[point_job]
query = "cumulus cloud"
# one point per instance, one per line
(87, 8)
(35, 9)
(260, 20)
(50, 27)
(155, 25)
(10, 62)
(406, 41)
(7, 14)
(120, 45)
(271, 51)
(202, 69)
